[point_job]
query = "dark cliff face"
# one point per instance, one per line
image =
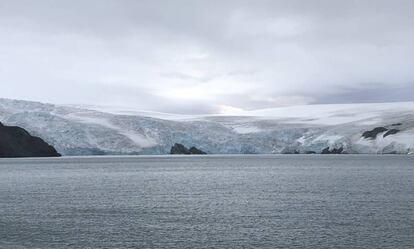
(17, 142)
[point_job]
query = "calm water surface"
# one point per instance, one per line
(208, 202)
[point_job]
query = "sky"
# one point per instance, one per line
(207, 56)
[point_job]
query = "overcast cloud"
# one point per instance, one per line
(206, 56)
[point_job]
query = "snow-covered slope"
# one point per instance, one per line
(78, 130)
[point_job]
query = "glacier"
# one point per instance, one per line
(97, 130)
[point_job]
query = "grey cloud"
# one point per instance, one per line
(183, 76)
(375, 94)
(246, 53)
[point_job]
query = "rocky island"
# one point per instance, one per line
(17, 142)
(179, 149)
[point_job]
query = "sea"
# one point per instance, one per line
(212, 201)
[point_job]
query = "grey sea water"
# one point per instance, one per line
(309, 201)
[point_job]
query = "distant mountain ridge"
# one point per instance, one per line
(382, 128)
(17, 142)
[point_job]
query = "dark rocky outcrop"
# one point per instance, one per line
(372, 134)
(396, 124)
(17, 142)
(193, 150)
(179, 149)
(332, 151)
(391, 132)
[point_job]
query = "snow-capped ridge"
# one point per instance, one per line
(76, 130)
